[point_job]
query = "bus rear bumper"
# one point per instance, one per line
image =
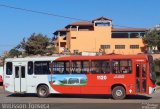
(152, 90)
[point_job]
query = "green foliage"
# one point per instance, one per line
(36, 44)
(157, 70)
(158, 78)
(152, 38)
(14, 53)
(157, 65)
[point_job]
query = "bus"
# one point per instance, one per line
(118, 75)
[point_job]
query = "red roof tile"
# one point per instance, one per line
(80, 24)
(101, 18)
(60, 30)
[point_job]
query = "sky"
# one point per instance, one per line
(17, 24)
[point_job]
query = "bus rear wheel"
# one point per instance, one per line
(43, 91)
(118, 93)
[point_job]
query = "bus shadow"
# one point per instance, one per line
(85, 96)
(108, 96)
(95, 96)
(22, 95)
(135, 97)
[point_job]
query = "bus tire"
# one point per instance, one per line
(118, 93)
(43, 91)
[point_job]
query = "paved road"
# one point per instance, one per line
(30, 101)
(6, 97)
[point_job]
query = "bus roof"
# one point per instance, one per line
(46, 58)
(104, 57)
(73, 57)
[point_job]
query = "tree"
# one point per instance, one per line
(14, 53)
(36, 44)
(152, 39)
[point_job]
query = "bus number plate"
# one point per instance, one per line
(101, 77)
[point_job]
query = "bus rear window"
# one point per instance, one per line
(41, 67)
(9, 68)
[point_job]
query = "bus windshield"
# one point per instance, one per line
(152, 70)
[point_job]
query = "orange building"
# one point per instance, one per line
(99, 36)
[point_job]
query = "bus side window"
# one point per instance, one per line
(66, 67)
(100, 67)
(9, 68)
(85, 67)
(80, 67)
(125, 66)
(76, 67)
(61, 67)
(95, 67)
(30, 68)
(115, 66)
(41, 67)
(106, 67)
(121, 66)
(57, 67)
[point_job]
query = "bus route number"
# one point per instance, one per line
(101, 77)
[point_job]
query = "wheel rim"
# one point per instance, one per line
(42, 92)
(119, 93)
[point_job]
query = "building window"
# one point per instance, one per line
(121, 66)
(134, 35)
(105, 46)
(119, 46)
(120, 35)
(142, 35)
(134, 46)
(62, 44)
(73, 37)
(102, 24)
(100, 67)
(75, 51)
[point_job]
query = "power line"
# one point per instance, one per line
(51, 14)
(40, 12)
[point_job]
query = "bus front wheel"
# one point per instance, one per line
(43, 91)
(118, 93)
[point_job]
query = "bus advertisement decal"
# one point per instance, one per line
(68, 80)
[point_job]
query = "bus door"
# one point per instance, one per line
(141, 81)
(20, 77)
